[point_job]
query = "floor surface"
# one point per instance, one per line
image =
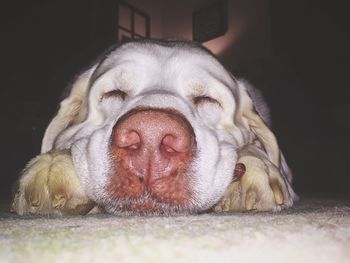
(315, 230)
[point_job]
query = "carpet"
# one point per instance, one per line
(315, 230)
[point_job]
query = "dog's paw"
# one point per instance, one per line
(260, 188)
(50, 185)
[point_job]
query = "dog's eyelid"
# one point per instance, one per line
(205, 99)
(117, 93)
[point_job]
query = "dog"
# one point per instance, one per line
(157, 127)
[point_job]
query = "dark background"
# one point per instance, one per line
(44, 44)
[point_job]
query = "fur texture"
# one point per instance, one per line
(156, 74)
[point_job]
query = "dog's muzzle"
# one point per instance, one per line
(152, 150)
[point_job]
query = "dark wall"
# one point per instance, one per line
(44, 44)
(313, 38)
(306, 84)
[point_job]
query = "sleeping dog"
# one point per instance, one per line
(157, 127)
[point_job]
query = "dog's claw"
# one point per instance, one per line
(59, 201)
(14, 203)
(250, 201)
(277, 193)
(34, 199)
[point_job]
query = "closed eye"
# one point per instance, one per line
(114, 94)
(204, 99)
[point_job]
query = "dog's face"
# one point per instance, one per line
(154, 127)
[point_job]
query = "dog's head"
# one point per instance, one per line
(155, 126)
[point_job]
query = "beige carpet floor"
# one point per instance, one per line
(315, 230)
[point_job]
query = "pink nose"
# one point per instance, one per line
(152, 149)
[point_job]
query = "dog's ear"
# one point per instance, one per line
(72, 110)
(249, 115)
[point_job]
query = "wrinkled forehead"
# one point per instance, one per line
(161, 54)
(164, 63)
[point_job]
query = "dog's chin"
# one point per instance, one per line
(146, 206)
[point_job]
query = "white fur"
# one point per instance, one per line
(160, 76)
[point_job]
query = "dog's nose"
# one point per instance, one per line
(159, 132)
(152, 148)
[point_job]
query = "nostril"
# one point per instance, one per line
(175, 144)
(168, 143)
(128, 139)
